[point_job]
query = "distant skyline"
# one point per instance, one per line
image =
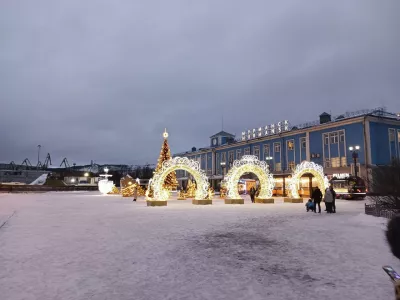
(100, 80)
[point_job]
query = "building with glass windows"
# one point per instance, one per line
(374, 135)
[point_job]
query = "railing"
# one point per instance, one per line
(6, 188)
(377, 211)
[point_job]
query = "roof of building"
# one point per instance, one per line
(380, 112)
(223, 133)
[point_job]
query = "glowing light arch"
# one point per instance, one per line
(307, 167)
(249, 164)
(178, 163)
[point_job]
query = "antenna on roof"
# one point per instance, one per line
(222, 122)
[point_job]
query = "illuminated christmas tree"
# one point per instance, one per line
(165, 154)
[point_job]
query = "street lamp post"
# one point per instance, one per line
(354, 151)
(223, 166)
(268, 159)
(38, 155)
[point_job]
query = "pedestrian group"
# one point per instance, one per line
(316, 198)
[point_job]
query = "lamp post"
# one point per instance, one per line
(268, 159)
(38, 155)
(354, 155)
(223, 166)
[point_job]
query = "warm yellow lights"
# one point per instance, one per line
(307, 167)
(249, 164)
(178, 163)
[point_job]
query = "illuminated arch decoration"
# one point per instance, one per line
(249, 164)
(178, 163)
(307, 167)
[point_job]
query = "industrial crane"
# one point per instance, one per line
(65, 162)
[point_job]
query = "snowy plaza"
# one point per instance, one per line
(84, 245)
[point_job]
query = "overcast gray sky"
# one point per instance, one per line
(99, 80)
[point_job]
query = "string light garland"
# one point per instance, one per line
(156, 184)
(307, 167)
(249, 164)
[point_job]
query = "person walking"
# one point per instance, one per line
(334, 198)
(317, 197)
(252, 194)
(328, 198)
(135, 192)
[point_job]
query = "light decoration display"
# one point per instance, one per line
(211, 193)
(170, 181)
(191, 189)
(114, 191)
(105, 186)
(249, 164)
(267, 130)
(178, 163)
(307, 167)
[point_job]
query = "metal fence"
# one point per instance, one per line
(377, 211)
(43, 188)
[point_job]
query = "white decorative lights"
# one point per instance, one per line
(105, 186)
(178, 163)
(249, 164)
(307, 167)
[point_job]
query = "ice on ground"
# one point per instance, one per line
(87, 246)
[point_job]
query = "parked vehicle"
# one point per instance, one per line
(351, 188)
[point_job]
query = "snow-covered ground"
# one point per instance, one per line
(87, 246)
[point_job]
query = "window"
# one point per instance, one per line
(335, 162)
(326, 139)
(277, 147)
(303, 143)
(218, 162)
(291, 165)
(230, 158)
(238, 154)
(334, 138)
(277, 167)
(391, 135)
(344, 161)
(266, 151)
(257, 151)
(290, 145)
(223, 157)
(341, 137)
(247, 151)
(327, 163)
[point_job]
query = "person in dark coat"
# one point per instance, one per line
(328, 198)
(334, 199)
(317, 197)
(252, 194)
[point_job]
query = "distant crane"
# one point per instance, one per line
(47, 161)
(65, 162)
(13, 166)
(26, 162)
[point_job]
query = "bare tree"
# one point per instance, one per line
(385, 186)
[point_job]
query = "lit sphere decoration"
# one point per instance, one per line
(307, 167)
(105, 186)
(249, 164)
(173, 164)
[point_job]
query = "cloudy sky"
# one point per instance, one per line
(99, 80)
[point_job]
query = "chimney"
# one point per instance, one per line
(324, 118)
(194, 149)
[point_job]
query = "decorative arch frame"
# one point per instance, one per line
(304, 168)
(249, 164)
(173, 164)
